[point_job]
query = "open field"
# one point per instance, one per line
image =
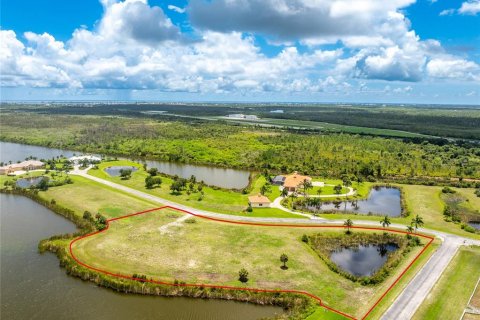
(86, 195)
(450, 295)
(167, 247)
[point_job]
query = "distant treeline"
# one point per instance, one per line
(458, 122)
(246, 147)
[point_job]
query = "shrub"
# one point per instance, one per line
(243, 275)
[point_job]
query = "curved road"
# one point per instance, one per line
(402, 308)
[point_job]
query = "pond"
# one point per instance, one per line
(35, 287)
(363, 260)
(214, 176)
(115, 170)
(475, 224)
(381, 201)
(28, 182)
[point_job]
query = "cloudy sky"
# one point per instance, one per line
(424, 51)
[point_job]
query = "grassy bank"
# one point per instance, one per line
(450, 296)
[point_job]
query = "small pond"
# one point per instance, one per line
(115, 170)
(28, 182)
(381, 200)
(213, 176)
(363, 260)
(475, 224)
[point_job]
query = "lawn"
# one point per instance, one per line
(450, 295)
(88, 195)
(214, 199)
(212, 252)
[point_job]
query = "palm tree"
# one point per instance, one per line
(307, 184)
(409, 231)
(348, 224)
(417, 222)
(385, 222)
(284, 259)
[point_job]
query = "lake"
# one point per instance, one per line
(381, 200)
(35, 287)
(214, 176)
(363, 260)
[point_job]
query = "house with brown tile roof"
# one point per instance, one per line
(294, 181)
(258, 201)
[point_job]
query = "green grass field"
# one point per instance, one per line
(450, 295)
(158, 246)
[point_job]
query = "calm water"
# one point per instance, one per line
(28, 182)
(18, 152)
(476, 225)
(384, 201)
(221, 177)
(363, 260)
(115, 170)
(33, 286)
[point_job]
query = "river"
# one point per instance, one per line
(214, 176)
(33, 286)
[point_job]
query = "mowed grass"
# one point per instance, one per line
(450, 295)
(216, 200)
(86, 195)
(212, 252)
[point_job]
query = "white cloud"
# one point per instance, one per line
(176, 9)
(470, 7)
(450, 67)
(136, 46)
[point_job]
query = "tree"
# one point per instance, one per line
(348, 224)
(385, 222)
(417, 222)
(306, 184)
(409, 231)
(125, 174)
(153, 171)
(319, 191)
(243, 275)
(284, 260)
(87, 215)
(338, 188)
(284, 192)
(266, 188)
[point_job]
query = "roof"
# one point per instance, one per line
(279, 178)
(23, 164)
(258, 199)
(294, 180)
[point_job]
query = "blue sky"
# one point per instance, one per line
(399, 51)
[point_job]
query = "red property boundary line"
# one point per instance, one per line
(318, 299)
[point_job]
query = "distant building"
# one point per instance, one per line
(22, 166)
(78, 159)
(259, 201)
(277, 111)
(294, 181)
(242, 116)
(278, 180)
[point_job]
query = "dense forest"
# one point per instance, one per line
(456, 121)
(237, 146)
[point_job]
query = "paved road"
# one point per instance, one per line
(405, 304)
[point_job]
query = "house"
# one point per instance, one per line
(278, 180)
(259, 201)
(78, 159)
(21, 166)
(294, 181)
